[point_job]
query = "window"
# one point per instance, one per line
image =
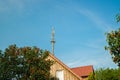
(60, 74)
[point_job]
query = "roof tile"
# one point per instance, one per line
(83, 71)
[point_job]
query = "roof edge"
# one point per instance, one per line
(82, 66)
(65, 66)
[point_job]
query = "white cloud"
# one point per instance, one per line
(101, 62)
(73, 63)
(9, 5)
(93, 54)
(97, 58)
(100, 22)
(95, 44)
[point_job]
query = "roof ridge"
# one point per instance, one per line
(82, 66)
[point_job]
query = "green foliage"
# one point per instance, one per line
(113, 40)
(105, 74)
(118, 17)
(27, 63)
(91, 76)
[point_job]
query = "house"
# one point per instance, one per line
(63, 72)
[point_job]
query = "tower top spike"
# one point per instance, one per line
(53, 41)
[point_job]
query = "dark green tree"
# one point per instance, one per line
(105, 74)
(26, 63)
(113, 40)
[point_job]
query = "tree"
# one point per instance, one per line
(113, 40)
(118, 17)
(91, 76)
(26, 63)
(105, 74)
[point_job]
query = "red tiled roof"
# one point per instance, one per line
(83, 71)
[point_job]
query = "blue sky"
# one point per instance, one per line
(80, 27)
